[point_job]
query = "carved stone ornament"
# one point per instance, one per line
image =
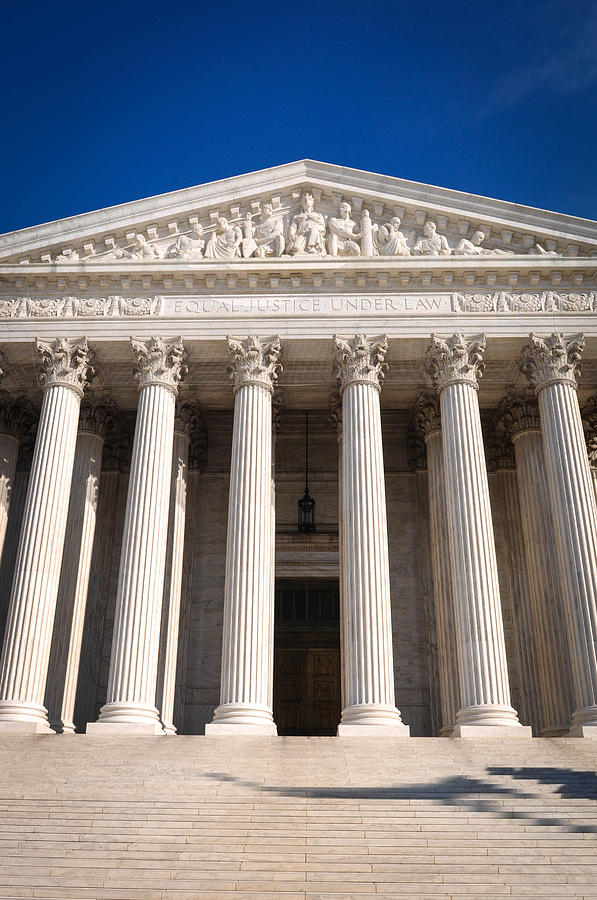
(518, 411)
(589, 423)
(198, 440)
(116, 455)
(92, 306)
(187, 414)
(159, 362)
(97, 416)
(455, 360)
(416, 451)
(500, 451)
(335, 412)
(426, 413)
(9, 308)
(17, 415)
(360, 360)
(278, 409)
(65, 363)
(254, 361)
(552, 359)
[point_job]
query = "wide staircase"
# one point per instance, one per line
(196, 817)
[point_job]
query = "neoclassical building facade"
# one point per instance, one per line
(304, 451)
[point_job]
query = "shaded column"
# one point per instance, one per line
(589, 422)
(366, 618)
(552, 365)
(24, 666)
(63, 670)
(428, 422)
(454, 364)
(335, 417)
(520, 418)
(246, 689)
(130, 705)
(16, 418)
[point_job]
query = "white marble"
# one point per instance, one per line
(552, 365)
(369, 705)
(455, 364)
(246, 688)
(130, 703)
(27, 640)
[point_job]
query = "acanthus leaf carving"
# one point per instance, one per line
(518, 411)
(335, 412)
(159, 362)
(360, 360)
(456, 359)
(589, 421)
(279, 403)
(426, 413)
(555, 358)
(97, 416)
(17, 415)
(198, 444)
(66, 363)
(254, 361)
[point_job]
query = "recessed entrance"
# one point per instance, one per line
(307, 656)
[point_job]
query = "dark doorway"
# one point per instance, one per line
(307, 656)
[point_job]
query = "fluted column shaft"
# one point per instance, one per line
(455, 364)
(63, 670)
(544, 586)
(130, 702)
(27, 641)
(552, 365)
(173, 582)
(246, 689)
(366, 617)
(442, 582)
(9, 450)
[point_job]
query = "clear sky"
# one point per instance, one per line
(108, 102)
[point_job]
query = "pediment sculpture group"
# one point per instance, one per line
(309, 234)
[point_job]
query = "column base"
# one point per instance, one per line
(472, 732)
(583, 731)
(371, 718)
(582, 721)
(353, 729)
(23, 718)
(242, 718)
(446, 730)
(62, 727)
(553, 731)
(126, 718)
(169, 728)
(487, 714)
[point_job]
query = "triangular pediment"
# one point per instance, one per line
(186, 225)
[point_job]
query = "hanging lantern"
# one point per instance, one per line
(306, 503)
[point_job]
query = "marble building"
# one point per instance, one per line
(159, 360)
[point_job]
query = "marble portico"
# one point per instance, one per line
(152, 576)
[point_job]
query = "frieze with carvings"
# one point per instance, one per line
(83, 307)
(305, 224)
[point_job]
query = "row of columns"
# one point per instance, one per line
(470, 628)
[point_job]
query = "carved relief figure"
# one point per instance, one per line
(342, 240)
(474, 248)
(188, 246)
(224, 242)
(67, 256)
(248, 244)
(140, 249)
(432, 243)
(268, 234)
(307, 229)
(390, 240)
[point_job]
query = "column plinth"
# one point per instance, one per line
(246, 690)
(23, 670)
(368, 704)
(455, 364)
(130, 705)
(552, 365)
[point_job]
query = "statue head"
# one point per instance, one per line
(478, 238)
(345, 209)
(429, 229)
(267, 210)
(221, 224)
(139, 240)
(396, 222)
(307, 202)
(197, 229)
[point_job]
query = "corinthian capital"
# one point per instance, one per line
(97, 416)
(16, 415)
(589, 423)
(518, 411)
(160, 362)
(456, 359)
(254, 361)
(360, 360)
(335, 412)
(552, 359)
(187, 416)
(65, 363)
(426, 414)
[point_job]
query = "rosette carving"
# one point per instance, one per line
(552, 359)
(254, 361)
(455, 359)
(160, 362)
(426, 413)
(17, 415)
(67, 363)
(518, 411)
(360, 360)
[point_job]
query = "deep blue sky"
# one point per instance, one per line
(104, 103)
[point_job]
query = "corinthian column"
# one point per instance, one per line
(455, 364)
(552, 365)
(589, 422)
(15, 419)
(248, 638)
(366, 619)
(520, 418)
(63, 670)
(130, 705)
(185, 421)
(428, 422)
(23, 670)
